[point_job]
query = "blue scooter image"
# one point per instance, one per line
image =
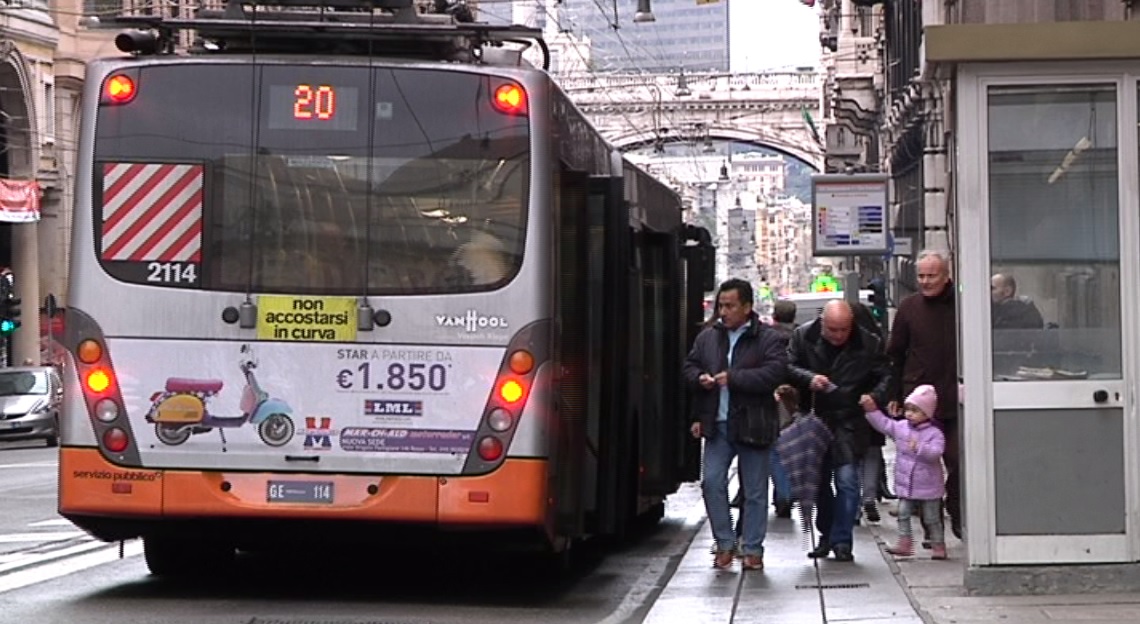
(181, 411)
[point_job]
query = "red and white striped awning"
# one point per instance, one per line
(19, 201)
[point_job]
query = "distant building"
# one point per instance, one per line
(686, 34)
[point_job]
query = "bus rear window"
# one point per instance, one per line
(311, 180)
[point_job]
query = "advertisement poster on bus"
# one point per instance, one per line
(249, 405)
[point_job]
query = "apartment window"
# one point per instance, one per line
(47, 117)
(864, 25)
(102, 7)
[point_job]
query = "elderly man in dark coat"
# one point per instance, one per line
(834, 362)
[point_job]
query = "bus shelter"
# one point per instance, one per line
(1048, 262)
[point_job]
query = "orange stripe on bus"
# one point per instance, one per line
(89, 484)
(513, 495)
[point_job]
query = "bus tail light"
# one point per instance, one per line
(119, 89)
(510, 98)
(115, 440)
(106, 410)
(490, 448)
(500, 420)
(99, 386)
(89, 351)
(515, 384)
(98, 380)
(521, 362)
(511, 391)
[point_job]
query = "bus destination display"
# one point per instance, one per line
(313, 106)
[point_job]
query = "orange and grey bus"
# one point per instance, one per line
(345, 280)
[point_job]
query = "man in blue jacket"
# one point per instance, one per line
(733, 370)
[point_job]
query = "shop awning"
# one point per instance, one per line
(19, 201)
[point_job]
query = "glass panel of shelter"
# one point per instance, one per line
(1054, 232)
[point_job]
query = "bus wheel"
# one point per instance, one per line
(167, 556)
(276, 430)
(171, 434)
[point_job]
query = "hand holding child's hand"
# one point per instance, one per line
(913, 444)
(868, 403)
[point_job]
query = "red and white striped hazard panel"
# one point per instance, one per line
(152, 212)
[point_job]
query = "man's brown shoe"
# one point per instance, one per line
(753, 562)
(723, 559)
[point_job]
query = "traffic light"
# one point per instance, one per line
(9, 315)
(879, 301)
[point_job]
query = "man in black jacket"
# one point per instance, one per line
(732, 371)
(834, 362)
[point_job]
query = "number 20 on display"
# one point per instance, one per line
(314, 103)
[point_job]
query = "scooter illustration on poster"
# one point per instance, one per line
(181, 409)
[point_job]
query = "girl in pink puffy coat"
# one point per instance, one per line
(919, 480)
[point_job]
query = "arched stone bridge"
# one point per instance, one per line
(635, 110)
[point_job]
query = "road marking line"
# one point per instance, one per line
(32, 558)
(52, 522)
(30, 465)
(46, 536)
(106, 553)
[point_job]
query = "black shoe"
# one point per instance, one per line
(884, 488)
(843, 553)
(871, 512)
(783, 509)
(821, 550)
(737, 500)
(956, 527)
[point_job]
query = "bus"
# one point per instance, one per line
(351, 272)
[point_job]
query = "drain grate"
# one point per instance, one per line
(835, 586)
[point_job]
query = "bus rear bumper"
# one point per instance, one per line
(115, 503)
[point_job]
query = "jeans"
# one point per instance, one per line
(780, 482)
(752, 471)
(835, 519)
(931, 518)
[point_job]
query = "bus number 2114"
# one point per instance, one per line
(172, 272)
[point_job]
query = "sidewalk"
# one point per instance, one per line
(788, 590)
(936, 588)
(875, 589)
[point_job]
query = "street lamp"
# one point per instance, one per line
(644, 12)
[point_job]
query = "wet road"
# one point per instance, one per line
(93, 586)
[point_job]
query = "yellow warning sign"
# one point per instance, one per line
(318, 319)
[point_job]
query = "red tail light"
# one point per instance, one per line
(511, 391)
(119, 89)
(115, 440)
(490, 449)
(510, 99)
(98, 380)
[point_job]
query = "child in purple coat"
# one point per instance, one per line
(919, 481)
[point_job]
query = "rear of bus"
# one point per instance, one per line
(298, 291)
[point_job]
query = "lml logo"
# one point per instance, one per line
(318, 433)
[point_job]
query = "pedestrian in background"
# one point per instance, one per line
(923, 348)
(919, 481)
